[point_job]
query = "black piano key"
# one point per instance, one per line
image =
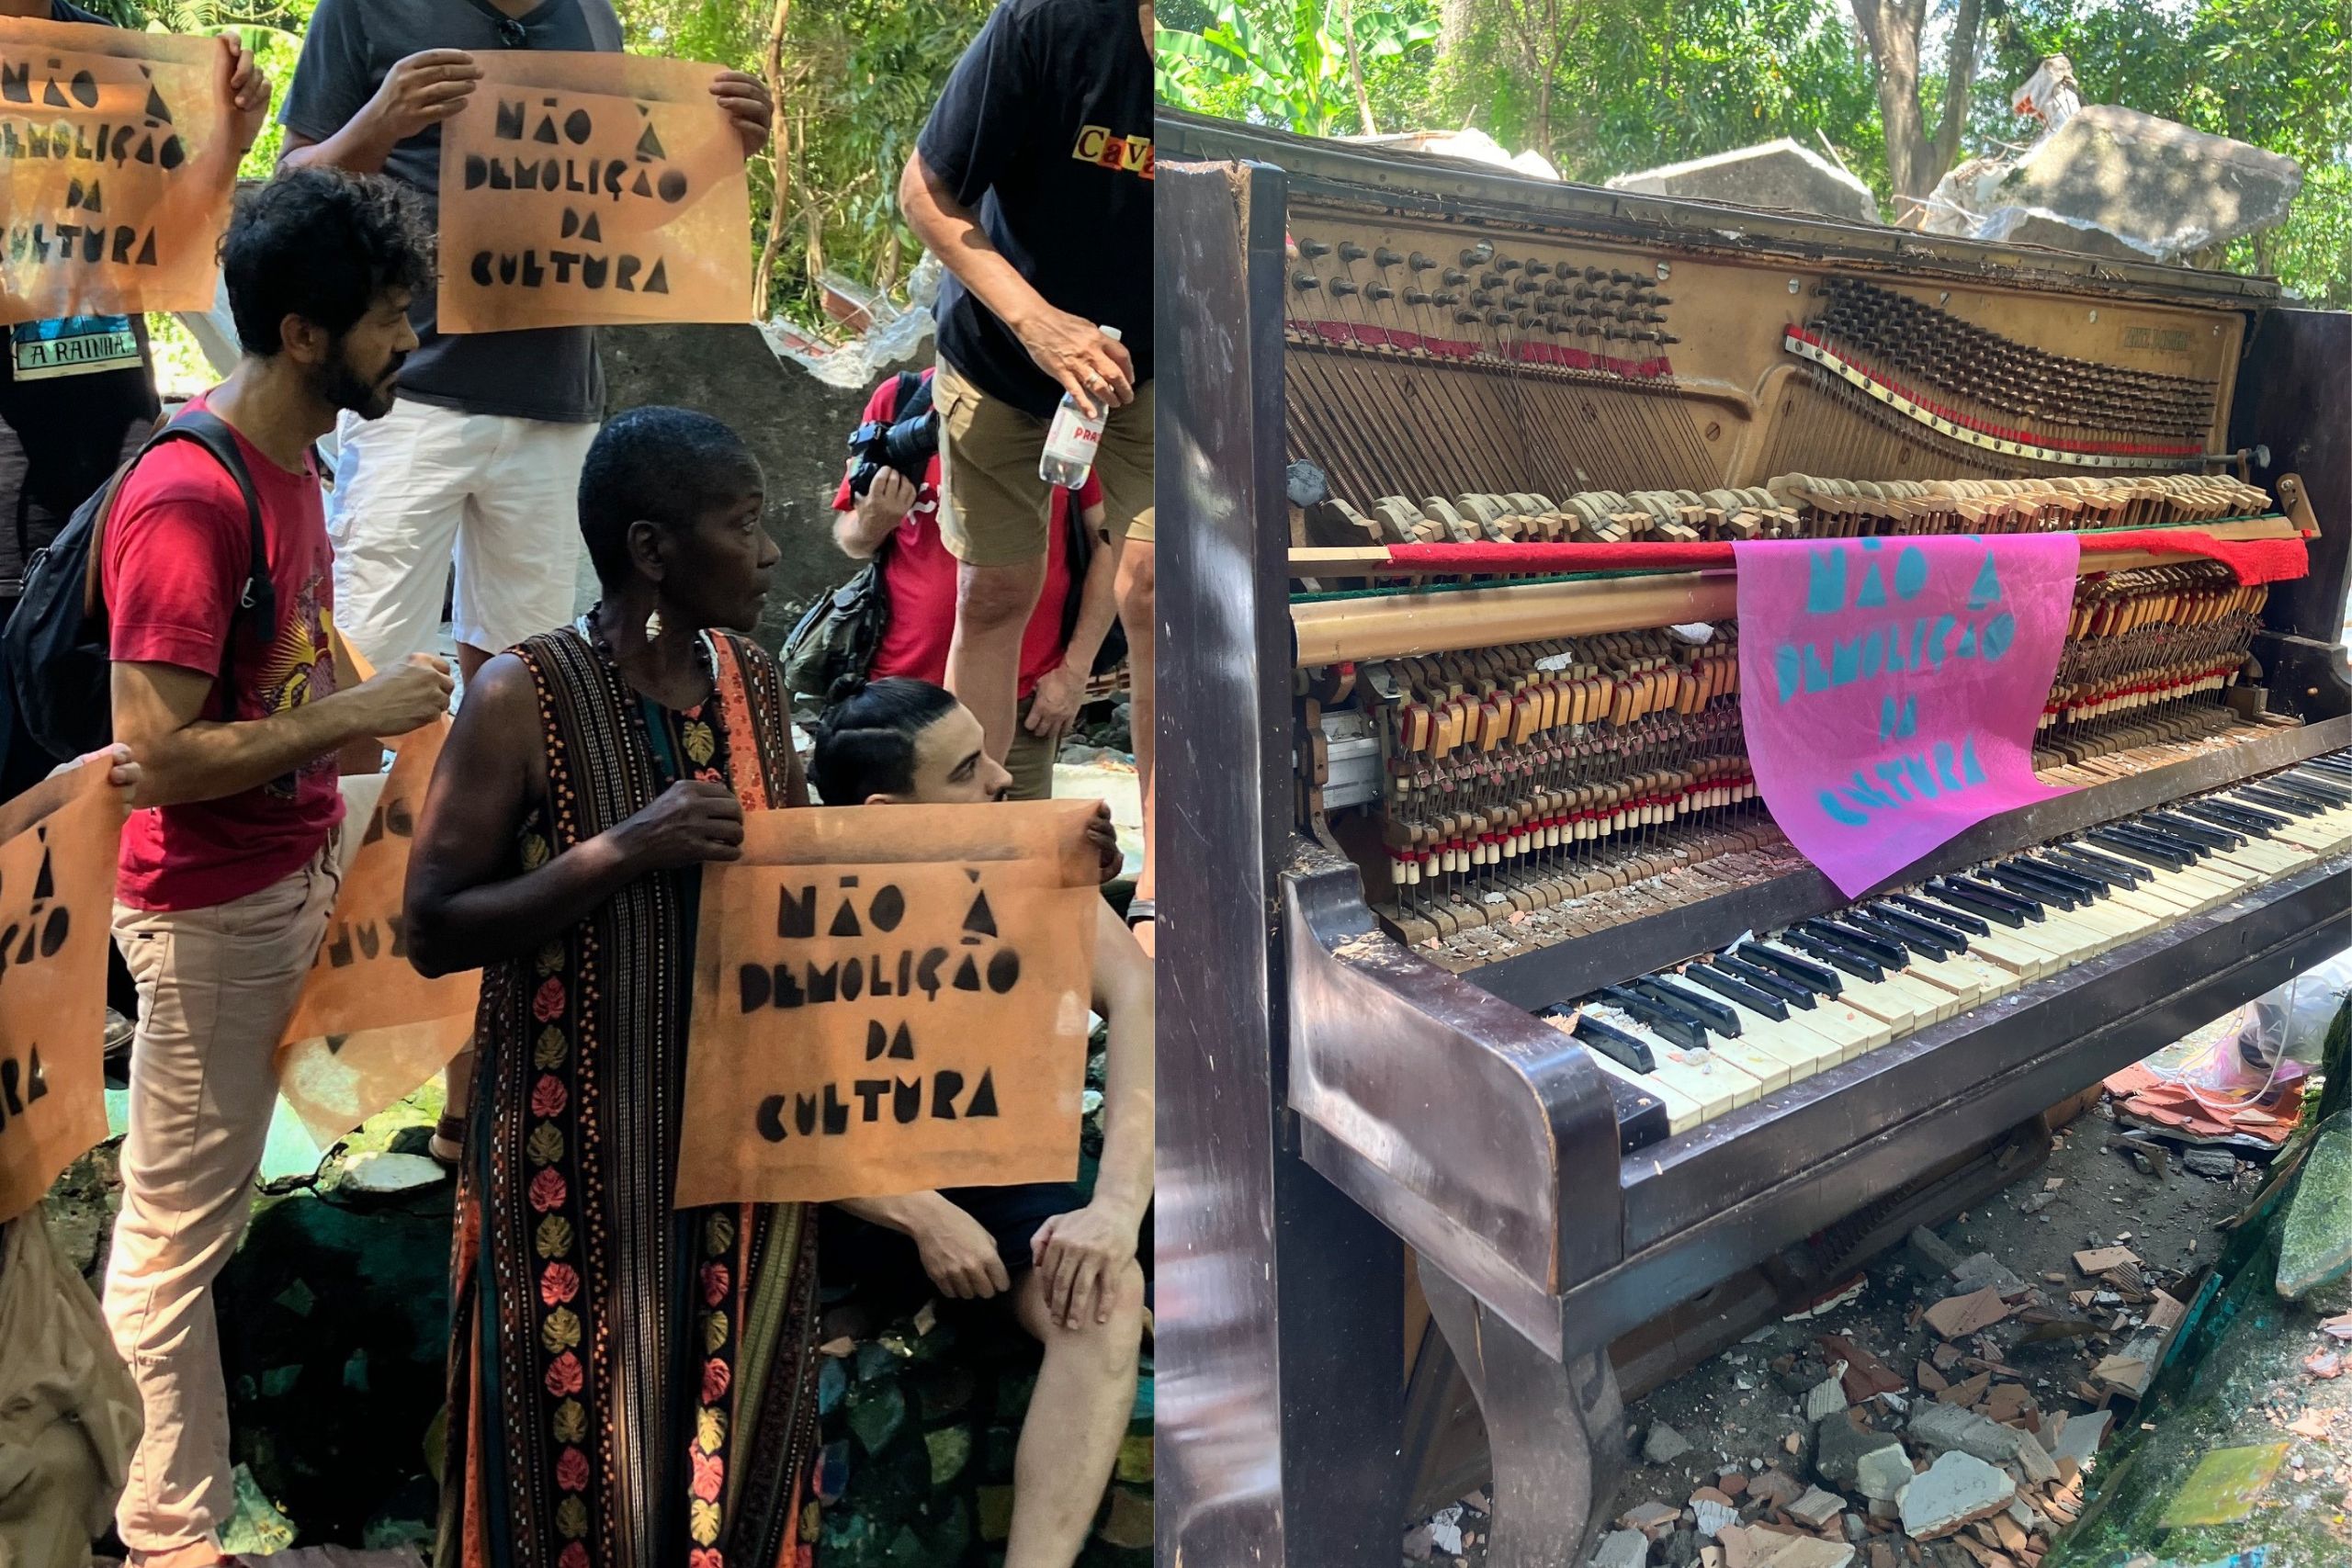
(2213, 835)
(1919, 931)
(2098, 885)
(1818, 978)
(2281, 800)
(2140, 850)
(1627, 1050)
(1941, 914)
(2245, 818)
(1923, 944)
(2318, 786)
(1725, 984)
(1717, 1016)
(1998, 912)
(2132, 874)
(1846, 934)
(2025, 885)
(1672, 1025)
(1860, 966)
(1770, 981)
(2082, 890)
(2023, 905)
(2155, 832)
(1641, 1117)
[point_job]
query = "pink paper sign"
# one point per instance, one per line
(1890, 688)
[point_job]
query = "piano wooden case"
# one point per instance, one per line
(1377, 941)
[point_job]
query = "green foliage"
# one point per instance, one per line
(1603, 86)
(1295, 71)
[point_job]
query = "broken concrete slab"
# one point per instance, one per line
(1780, 176)
(1882, 1473)
(1622, 1549)
(1775, 1488)
(1939, 1256)
(1664, 1444)
(1947, 1428)
(1816, 1507)
(1805, 1551)
(1826, 1398)
(2165, 190)
(1839, 1447)
(1713, 1516)
(2080, 1438)
(1653, 1519)
(1957, 1490)
(1983, 1270)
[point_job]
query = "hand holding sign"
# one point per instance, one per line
(117, 150)
(247, 91)
(746, 101)
(891, 999)
(597, 189)
(421, 92)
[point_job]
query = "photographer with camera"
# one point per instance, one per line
(889, 507)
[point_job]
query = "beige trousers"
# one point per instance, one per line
(216, 986)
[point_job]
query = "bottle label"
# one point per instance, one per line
(1074, 438)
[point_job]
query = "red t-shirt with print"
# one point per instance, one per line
(177, 551)
(919, 574)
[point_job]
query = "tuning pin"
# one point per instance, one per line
(1467, 318)
(1539, 268)
(1378, 291)
(1509, 263)
(1311, 249)
(1480, 297)
(1478, 255)
(1555, 289)
(1594, 275)
(1352, 252)
(1525, 285)
(1446, 298)
(1341, 288)
(1418, 261)
(1499, 318)
(1383, 257)
(1306, 281)
(1667, 337)
(1622, 277)
(1490, 280)
(1417, 297)
(1660, 301)
(1454, 277)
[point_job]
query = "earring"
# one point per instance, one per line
(654, 627)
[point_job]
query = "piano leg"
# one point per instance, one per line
(1557, 1431)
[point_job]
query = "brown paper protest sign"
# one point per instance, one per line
(890, 999)
(56, 908)
(592, 190)
(368, 1029)
(116, 164)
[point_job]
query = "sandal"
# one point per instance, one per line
(448, 1144)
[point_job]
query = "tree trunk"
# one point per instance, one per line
(779, 157)
(1916, 161)
(1355, 68)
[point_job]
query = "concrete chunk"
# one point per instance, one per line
(1816, 1507)
(1957, 1490)
(1827, 1397)
(1840, 1447)
(2082, 1436)
(2163, 188)
(1622, 1549)
(1664, 1444)
(1882, 1475)
(1779, 176)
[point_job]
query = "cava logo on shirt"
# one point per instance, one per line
(82, 345)
(1096, 145)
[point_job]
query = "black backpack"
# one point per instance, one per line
(58, 656)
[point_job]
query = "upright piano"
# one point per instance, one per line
(1500, 1022)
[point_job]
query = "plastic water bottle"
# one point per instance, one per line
(1070, 444)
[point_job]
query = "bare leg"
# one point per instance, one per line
(992, 607)
(1139, 615)
(1079, 1412)
(469, 662)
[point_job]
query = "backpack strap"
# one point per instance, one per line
(92, 569)
(259, 596)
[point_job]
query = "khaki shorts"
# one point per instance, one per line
(1030, 759)
(993, 510)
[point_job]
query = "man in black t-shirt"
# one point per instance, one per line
(1032, 184)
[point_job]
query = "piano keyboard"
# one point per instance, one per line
(1691, 1044)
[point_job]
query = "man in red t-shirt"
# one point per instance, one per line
(919, 575)
(230, 863)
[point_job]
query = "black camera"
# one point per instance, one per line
(907, 443)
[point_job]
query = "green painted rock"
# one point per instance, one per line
(951, 1450)
(2316, 1245)
(996, 1512)
(255, 1527)
(1135, 1460)
(876, 1411)
(832, 1382)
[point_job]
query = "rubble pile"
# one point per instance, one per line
(1967, 1445)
